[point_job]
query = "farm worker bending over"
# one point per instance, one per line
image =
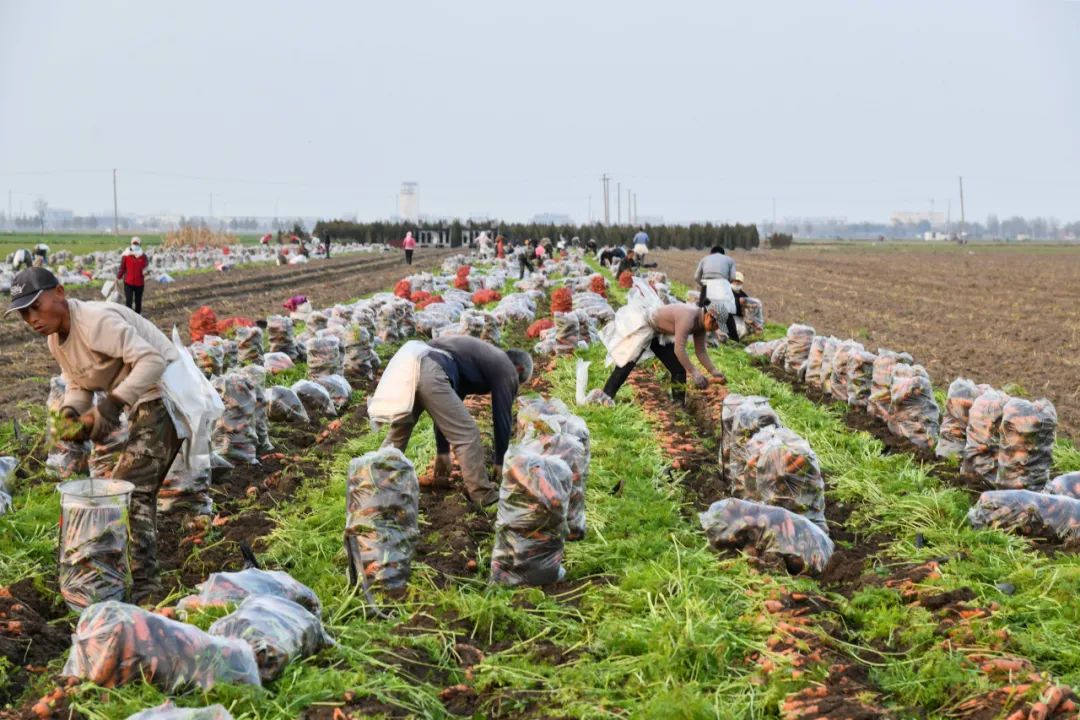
(714, 275)
(21, 259)
(409, 244)
(450, 369)
(681, 321)
(132, 271)
(104, 347)
(641, 243)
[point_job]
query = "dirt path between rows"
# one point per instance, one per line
(256, 291)
(993, 314)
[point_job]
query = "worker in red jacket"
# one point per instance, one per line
(133, 265)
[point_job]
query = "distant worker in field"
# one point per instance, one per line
(104, 347)
(611, 255)
(714, 275)
(629, 263)
(451, 369)
(265, 239)
(483, 244)
(21, 259)
(524, 253)
(41, 255)
(132, 273)
(500, 247)
(540, 252)
(409, 245)
(672, 326)
(641, 243)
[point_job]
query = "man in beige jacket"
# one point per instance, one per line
(108, 348)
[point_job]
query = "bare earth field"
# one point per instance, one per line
(26, 366)
(998, 315)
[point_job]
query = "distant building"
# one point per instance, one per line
(904, 217)
(409, 202)
(552, 219)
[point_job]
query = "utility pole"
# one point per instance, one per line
(629, 208)
(11, 218)
(618, 203)
(590, 210)
(607, 215)
(774, 214)
(211, 206)
(115, 207)
(962, 208)
(635, 207)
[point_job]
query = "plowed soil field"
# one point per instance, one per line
(1000, 315)
(26, 366)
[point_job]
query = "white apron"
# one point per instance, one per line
(395, 395)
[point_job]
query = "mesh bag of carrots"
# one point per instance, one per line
(382, 502)
(324, 356)
(257, 375)
(782, 470)
(277, 630)
(115, 644)
(66, 458)
(283, 405)
(223, 589)
(281, 337)
(913, 411)
(562, 300)
(249, 344)
(1029, 513)
(1067, 485)
(881, 382)
(769, 533)
(747, 418)
(1028, 431)
(530, 528)
(812, 371)
(570, 450)
(235, 437)
(984, 436)
(799, 339)
(962, 393)
(169, 711)
(315, 398)
(860, 378)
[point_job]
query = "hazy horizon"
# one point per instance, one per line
(708, 111)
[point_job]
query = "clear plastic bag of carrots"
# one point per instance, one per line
(746, 418)
(1067, 485)
(753, 315)
(115, 644)
(799, 340)
(860, 378)
(983, 439)
(962, 393)
(838, 379)
(381, 506)
(235, 437)
(913, 412)
(783, 471)
(249, 344)
(315, 398)
(223, 589)
(325, 356)
(811, 374)
(531, 528)
(283, 405)
(1028, 513)
(209, 358)
(257, 374)
(281, 337)
(360, 361)
(545, 416)
(169, 711)
(881, 382)
(339, 388)
(767, 532)
(570, 450)
(278, 631)
(1028, 432)
(763, 349)
(828, 356)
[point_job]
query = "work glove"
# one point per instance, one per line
(104, 417)
(71, 427)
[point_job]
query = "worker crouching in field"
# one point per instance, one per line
(108, 348)
(714, 275)
(436, 378)
(663, 332)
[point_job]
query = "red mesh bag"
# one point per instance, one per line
(539, 326)
(562, 300)
(626, 279)
(598, 285)
(420, 296)
(403, 289)
(203, 322)
(481, 297)
(224, 326)
(430, 301)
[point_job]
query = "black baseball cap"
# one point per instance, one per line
(27, 285)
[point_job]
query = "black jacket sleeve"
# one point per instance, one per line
(502, 404)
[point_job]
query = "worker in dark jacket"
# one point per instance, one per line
(456, 367)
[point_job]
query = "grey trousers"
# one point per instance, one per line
(435, 395)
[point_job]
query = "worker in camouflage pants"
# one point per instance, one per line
(109, 349)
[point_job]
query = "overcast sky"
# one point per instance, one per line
(707, 110)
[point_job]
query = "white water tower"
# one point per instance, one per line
(408, 201)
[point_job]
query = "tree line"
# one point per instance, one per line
(696, 236)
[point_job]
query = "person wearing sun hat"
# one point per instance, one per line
(107, 348)
(132, 272)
